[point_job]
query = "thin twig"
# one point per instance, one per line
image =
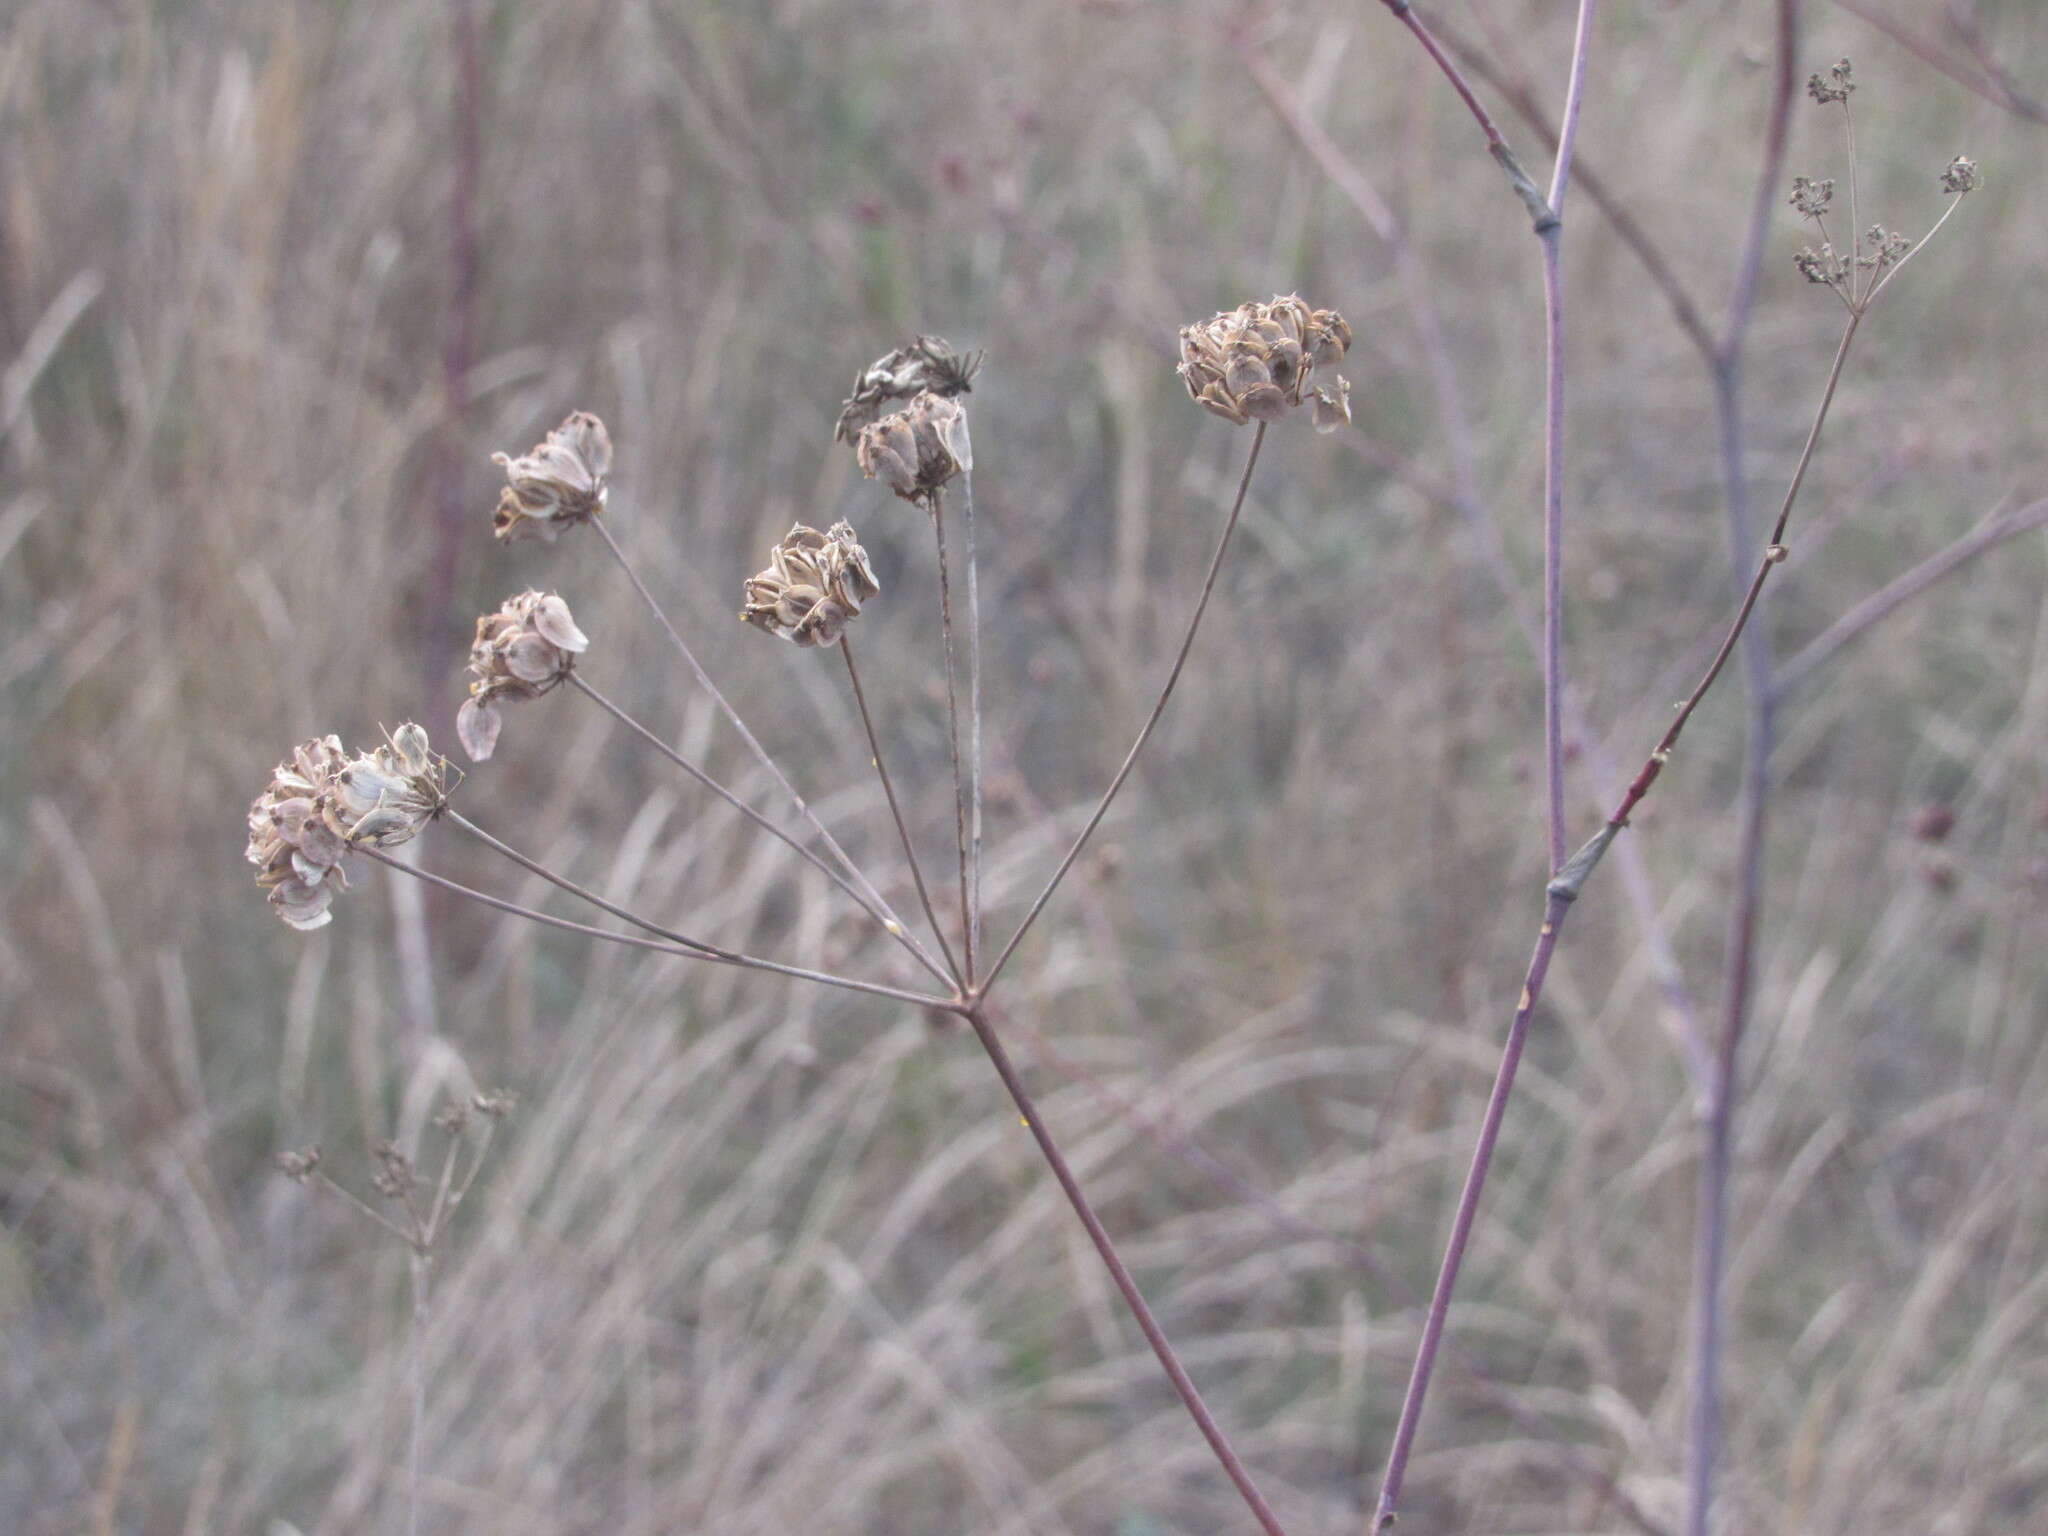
(761, 753)
(1187, 644)
(1183, 1384)
(1549, 232)
(1555, 903)
(924, 894)
(658, 946)
(879, 913)
(937, 508)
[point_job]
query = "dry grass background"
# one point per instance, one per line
(755, 1259)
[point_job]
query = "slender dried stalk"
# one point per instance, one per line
(1183, 1384)
(761, 753)
(879, 913)
(689, 949)
(924, 894)
(974, 760)
(1187, 644)
(938, 511)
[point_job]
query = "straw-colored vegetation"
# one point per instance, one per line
(753, 1257)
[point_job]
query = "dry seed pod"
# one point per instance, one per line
(814, 585)
(1254, 363)
(917, 449)
(321, 802)
(556, 484)
(928, 363)
(527, 647)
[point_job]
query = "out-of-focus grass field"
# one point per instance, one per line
(752, 1258)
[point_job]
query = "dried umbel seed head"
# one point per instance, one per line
(556, 484)
(299, 1164)
(527, 647)
(1821, 266)
(1812, 197)
(1255, 362)
(815, 583)
(1886, 249)
(300, 858)
(1961, 175)
(1833, 86)
(917, 449)
(321, 803)
(928, 363)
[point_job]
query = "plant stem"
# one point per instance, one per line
(1158, 709)
(420, 1265)
(689, 949)
(760, 752)
(924, 896)
(974, 762)
(1555, 903)
(1563, 887)
(1133, 1298)
(878, 913)
(937, 508)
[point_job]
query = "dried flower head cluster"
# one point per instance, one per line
(556, 484)
(1961, 175)
(527, 647)
(321, 803)
(1812, 197)
(815, 583)
(1257, 362)
(927, 364)
(916, 450)
(1831, 87)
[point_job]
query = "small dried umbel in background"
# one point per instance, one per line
(917, 449)
(321, 802)
(527, 647)
(815, 583)
(928, 363)
(1256, 362)
(556, 484)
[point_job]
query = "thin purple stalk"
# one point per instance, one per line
(1180, 660)
(1183, 1384)
(924, 894)
(1555, 903)
(687, 949)
(1563, 887)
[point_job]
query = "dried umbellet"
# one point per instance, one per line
(928, 363)
(815, 583)
(321, 803)
(527, 647)
(556, 484)
(916, 450)
(1257, 362)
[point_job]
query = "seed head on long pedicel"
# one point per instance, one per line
(916, 450)
(1961, 175)
(814, 586)
(556, 484)
(1831, 87)
(1259, 361)
(928, 363)
(527, 647)
(321, 803)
